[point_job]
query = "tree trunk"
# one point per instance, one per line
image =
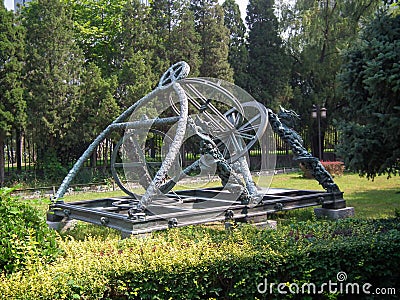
(105, 156)
(93, 160)
(18, 155)
(314, 145)
(2, 159)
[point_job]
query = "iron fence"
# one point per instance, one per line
(21, 153)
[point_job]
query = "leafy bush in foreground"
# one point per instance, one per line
(24, 235)
(203, 263)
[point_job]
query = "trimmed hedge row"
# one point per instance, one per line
(205, 263)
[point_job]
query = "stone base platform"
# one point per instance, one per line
(334, 214)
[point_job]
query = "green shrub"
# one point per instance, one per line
(203, 263)
(24, 235)
(49, 163)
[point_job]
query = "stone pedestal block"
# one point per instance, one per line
(334, 214)
(62, 226)
(270, 224)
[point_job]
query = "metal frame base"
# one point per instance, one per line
(188, 207)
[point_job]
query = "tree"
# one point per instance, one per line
(370, 79)
(137, 54)
(97, 108)
(267, 68)
(97, 24)
(185, 41)
(317, 33)
(175, 32)
(12, 104)
(117, 36)
(238, 53)
(53, 75)
(214, 43)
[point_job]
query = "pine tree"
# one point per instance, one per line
(209, 23)
(53, 75)
(184, 42)
(267, 68)
(138, 54)
(12, 104)
(176, 36)
(238, 52)
(370, 79)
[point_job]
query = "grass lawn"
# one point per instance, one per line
(370, 199)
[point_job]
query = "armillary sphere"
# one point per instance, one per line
(224, 112)
(234, 126)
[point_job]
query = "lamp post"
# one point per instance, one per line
(318, 113)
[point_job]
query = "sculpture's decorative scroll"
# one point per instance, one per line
(282, 124)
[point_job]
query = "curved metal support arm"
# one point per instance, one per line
(153, 188)
(176, 72)
(145, 123)
(78, 165)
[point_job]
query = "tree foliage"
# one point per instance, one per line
(214, 39)
(12, 104)
(267, 67)
(97, 106)
(184, 40)
(136, 56)
(370, 79)
(97, 25)
(317, 33)
(53, 70)
(238, 52)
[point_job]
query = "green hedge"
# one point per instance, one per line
(205, 263)
(24, 235)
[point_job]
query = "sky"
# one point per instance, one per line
(242, 4)
(9, 4)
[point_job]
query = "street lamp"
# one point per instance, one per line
(318, 113)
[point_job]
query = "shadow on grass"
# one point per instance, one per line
(375, 203)
(299, 176)
(290, 216)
